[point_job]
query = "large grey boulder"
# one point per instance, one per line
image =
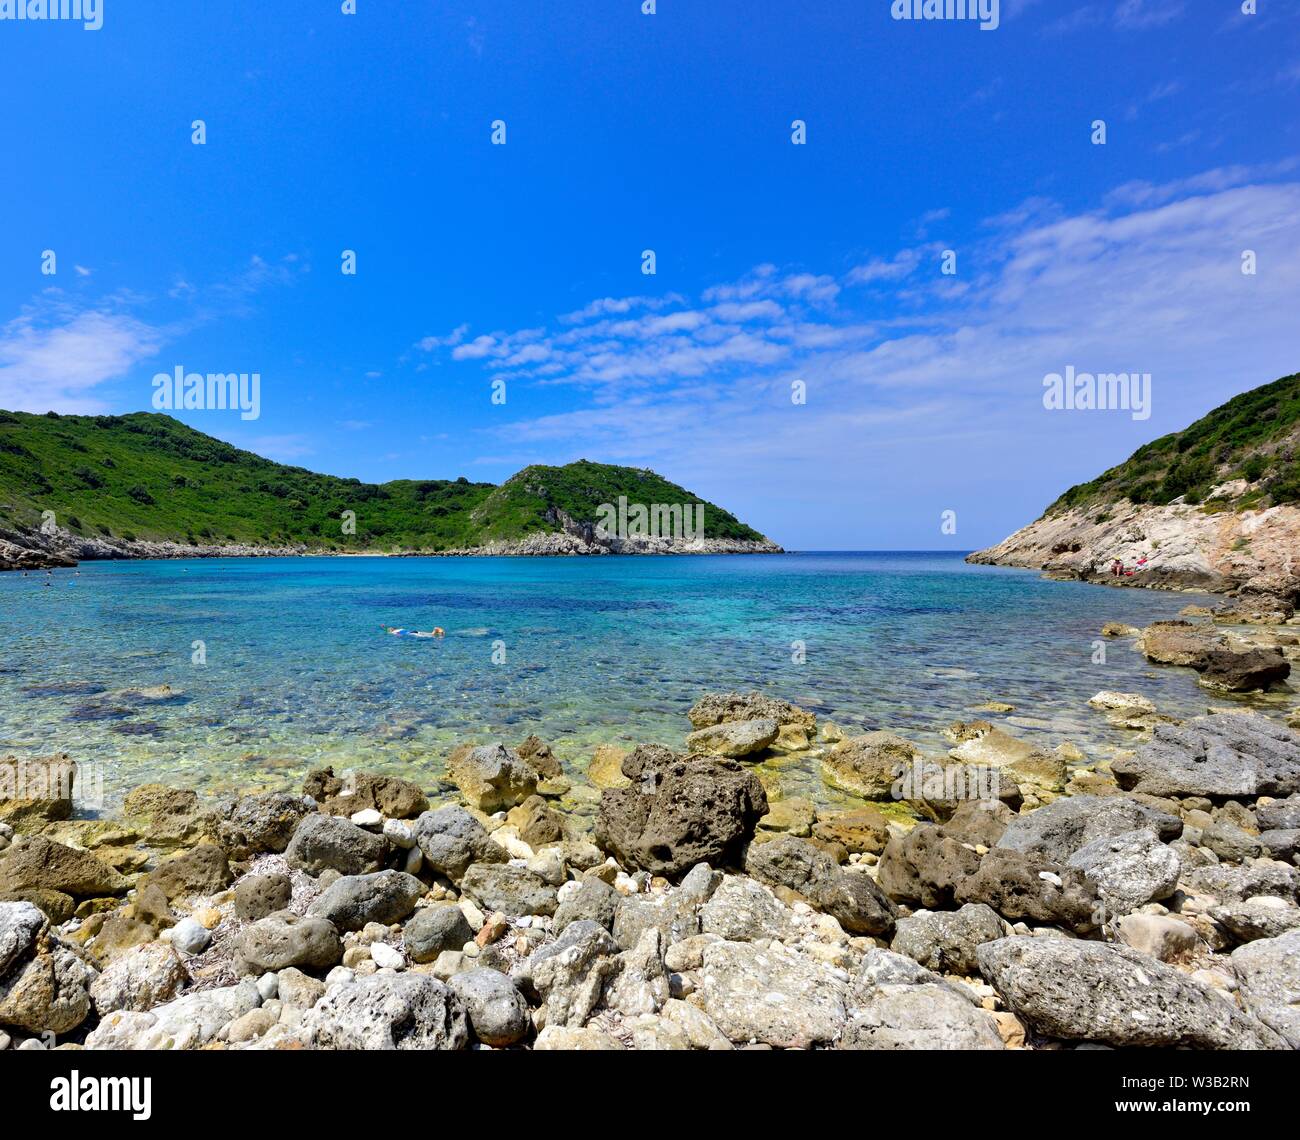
(567, 977)
(594, 899)
(189, 1022)
(496, 1008)
(451, 839)
(946, 941)
(1102, 992)
(774, 996)
(742, 910)
(434, 929)
(924, 1016)
(260, 824)
(326, 842)
(852, 897)
(47, 986)
(1020, 885)
(139, 978)
(640, 986)
(1268, 972)
(1059, 829)
(1129, 870)
(387, 1011)
(679, 812)
(1229, 883)
(1263, 916)
(509, 888)
(20, 924)
(1220, 756)
(1279, 815)
(354, 900)
(284, 939)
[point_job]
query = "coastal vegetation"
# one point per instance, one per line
(1253, 437)
(148, 477)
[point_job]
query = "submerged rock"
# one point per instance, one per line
(734, 738)
(492, 777)
(37, 789)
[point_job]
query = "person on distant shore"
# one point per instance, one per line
(1116, 568)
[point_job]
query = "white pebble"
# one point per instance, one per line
(387, 957)
(190, 937)
(399, 833)
(368, 818)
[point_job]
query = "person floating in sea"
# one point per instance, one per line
(401, 631)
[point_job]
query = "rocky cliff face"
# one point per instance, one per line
(1185, 547)
(63, 548)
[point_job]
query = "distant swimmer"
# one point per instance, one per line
(400, 631)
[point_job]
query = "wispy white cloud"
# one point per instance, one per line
(63, 347)
(919, 373)
(53, 361)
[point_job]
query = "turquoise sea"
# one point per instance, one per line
(294, 670)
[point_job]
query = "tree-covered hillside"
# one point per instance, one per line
(1254, 436)
(149, 477)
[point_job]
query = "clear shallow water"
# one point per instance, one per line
(298, 672)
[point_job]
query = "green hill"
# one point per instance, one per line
(149, 477)
(1254, 436)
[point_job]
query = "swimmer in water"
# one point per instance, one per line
(402, 631)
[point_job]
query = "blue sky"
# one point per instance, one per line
(671, 132)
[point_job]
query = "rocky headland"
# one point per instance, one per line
(1214, 507)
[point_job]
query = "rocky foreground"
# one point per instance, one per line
(999, 897)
